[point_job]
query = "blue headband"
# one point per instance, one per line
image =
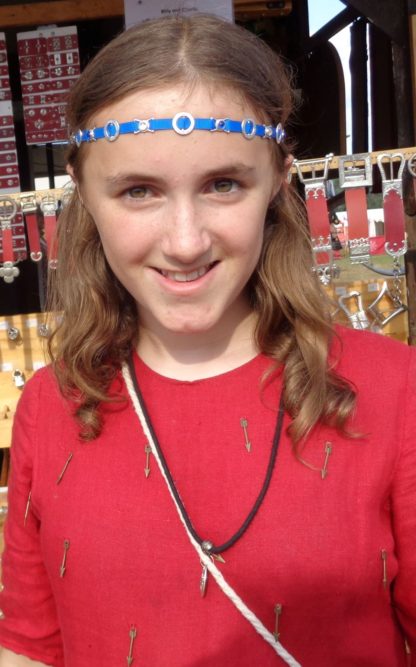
(182, 123)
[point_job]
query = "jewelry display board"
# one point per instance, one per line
(49, 65)
(9, 168)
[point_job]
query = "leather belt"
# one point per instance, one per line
(49, 206)
(28, 206)
(318, 215)
(8, 210)
(394, 217)
(355, 174)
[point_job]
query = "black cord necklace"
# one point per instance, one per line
(207, 545)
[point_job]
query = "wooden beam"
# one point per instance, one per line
(36, 13)
(60, 11)
(388, 16)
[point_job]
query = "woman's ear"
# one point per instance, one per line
(71, 173)
(288, 166)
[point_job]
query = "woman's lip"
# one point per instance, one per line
(186, 276)
(168, 280)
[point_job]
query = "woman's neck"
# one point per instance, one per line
(197, 356)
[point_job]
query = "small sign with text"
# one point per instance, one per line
(143, 10)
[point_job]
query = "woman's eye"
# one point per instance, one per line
(139, 192)
(225, 185)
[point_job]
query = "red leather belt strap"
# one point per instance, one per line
(394, 218)
(355, 173)
(318, 216)
(7, 241)
(49, 206)
(33, 236)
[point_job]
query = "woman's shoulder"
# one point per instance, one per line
(41, 396)
(377, 360)
(368, 343)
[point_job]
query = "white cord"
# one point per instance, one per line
(204, 558)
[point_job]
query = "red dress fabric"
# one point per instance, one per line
(339, 553)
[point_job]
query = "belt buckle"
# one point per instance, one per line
(28, 203)
(395, 181)
(317, 180)
(355, 170)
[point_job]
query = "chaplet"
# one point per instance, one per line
(205, 550)
(182, 123)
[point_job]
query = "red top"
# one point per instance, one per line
(321, 548)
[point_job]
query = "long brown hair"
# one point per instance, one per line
(100, 320)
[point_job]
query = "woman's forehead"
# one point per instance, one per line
(201, 99)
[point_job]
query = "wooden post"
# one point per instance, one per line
(358, 66)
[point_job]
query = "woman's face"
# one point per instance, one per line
(181, 217)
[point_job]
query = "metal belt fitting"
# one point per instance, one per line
(316, 206)
(357, 315)
(355, 174)
(392, 189)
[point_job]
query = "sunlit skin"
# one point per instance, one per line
(181, 221)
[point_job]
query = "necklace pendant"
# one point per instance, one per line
(203, 581)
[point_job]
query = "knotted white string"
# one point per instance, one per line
(204, 558)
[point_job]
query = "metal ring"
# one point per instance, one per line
(280, 133)
(178, 117)
(7, 201)
(109, 127)
(35, 256)
(246, 133)
(411, 165)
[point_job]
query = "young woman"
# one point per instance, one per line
(208, 473)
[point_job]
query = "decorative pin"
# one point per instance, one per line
(384, 560)
(206, 548)
(328, 451)
(67, 462)
(148, 451)
(244, 425)
(204, 580)
(63, 565)
(27, 507)
(278, 612)
(133, 635)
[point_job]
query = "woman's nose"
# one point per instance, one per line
(186, 235)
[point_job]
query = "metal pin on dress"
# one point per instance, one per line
(278, 612)
(29, 498)
(384, 561)
(62, 569)
(328, 451)
(244, 425)
(133, 635)
(148, 451)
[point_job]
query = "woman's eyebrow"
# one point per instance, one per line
(119, 179)
(233, 169)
